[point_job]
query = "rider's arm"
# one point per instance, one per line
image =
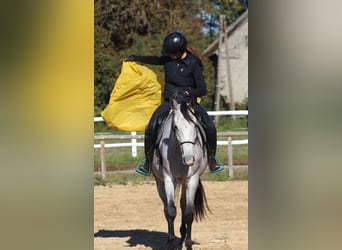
(155, 60)
(200, 86)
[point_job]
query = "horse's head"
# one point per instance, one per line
(184, 127)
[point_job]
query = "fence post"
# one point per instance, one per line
(134, 145)
(103, 159)
(230, 158)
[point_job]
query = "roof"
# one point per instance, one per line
(230, 30)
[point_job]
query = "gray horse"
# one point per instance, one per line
(180, 160)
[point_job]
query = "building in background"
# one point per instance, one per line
(229, 54)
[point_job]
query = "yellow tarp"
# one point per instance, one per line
(135, 97)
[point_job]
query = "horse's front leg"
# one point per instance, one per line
(170, 214)
(170, 208)
(187, 219)
(187, 203)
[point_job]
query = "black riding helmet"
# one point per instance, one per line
(174, 42)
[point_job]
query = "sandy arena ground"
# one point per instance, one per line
(132, 217)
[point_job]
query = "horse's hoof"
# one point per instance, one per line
(188, 244)
(174, 244)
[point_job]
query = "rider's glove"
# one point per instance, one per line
(130, 59)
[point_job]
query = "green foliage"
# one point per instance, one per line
(239, 174)
(98, 180)
(123, 179)
(137, 27)
(231, 9)
(103, 78)
(229, 124)
(132, 178)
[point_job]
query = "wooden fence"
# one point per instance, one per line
(133, 137)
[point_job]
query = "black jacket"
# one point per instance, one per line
(180, 75)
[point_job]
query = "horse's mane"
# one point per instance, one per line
(186, 111)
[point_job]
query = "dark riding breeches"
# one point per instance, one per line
(209, 128)
(152, 127)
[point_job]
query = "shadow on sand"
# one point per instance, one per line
(152, 239)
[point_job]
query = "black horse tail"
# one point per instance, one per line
(200, 205)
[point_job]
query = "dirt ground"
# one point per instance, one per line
(132, 217)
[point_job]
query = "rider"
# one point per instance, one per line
(183, 73)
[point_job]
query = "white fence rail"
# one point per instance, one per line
(141, 144)
(134, 144)
(211, 113)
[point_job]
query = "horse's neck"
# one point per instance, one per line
(166, 129)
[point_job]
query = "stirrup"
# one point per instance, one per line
(137, 168)
(220, 168)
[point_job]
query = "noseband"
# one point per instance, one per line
(183, 142)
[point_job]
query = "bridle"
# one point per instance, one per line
(197, 127)
(183, 142)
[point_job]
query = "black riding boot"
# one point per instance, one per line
(214, 167)
(145, 167)
(151, 132)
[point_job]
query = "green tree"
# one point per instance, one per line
(126, 27)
